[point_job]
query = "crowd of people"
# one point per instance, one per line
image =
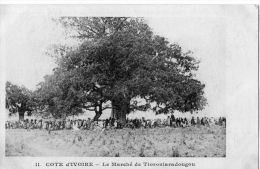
(88, 124)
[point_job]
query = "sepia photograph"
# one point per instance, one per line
(125, 85)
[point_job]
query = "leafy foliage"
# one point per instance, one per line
(19, 99)
(118, 61)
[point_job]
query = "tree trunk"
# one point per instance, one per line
(113, 112)
(120, 109)
(122, 117)
(98, 112)
(21, 115)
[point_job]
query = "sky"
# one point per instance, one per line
(28, 32)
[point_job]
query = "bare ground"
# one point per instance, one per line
(157, 142)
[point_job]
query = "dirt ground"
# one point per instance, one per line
(156, 142)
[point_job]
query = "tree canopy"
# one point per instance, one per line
(118, 62)
(19, 99)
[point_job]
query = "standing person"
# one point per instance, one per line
(219, 121)
(172, 119)
(68, 124)
(7, 125)
(59, 127)
(27, 124)
(63, 124)
(116, 124)
(30, 124)
(202, 121)
(40, 124)
(88, 123)
(198, 121)
(192, 122)
(56, 124)
(106, 123)
(35, 123)
(44, 126)
(135, 123)
(168, 121)
(171, 122)
(80, 122)
(49, 126)
(224, 121)
(181, 122)
(177, 122)
(75, 125)
(112, 122)
(207, 122)
(143, 124)
(91, 125)
(84, 124)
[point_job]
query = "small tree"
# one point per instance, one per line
(19, 99)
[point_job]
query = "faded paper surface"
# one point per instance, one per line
(223, 37)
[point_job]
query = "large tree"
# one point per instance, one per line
(121, 61)
(19, 99)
